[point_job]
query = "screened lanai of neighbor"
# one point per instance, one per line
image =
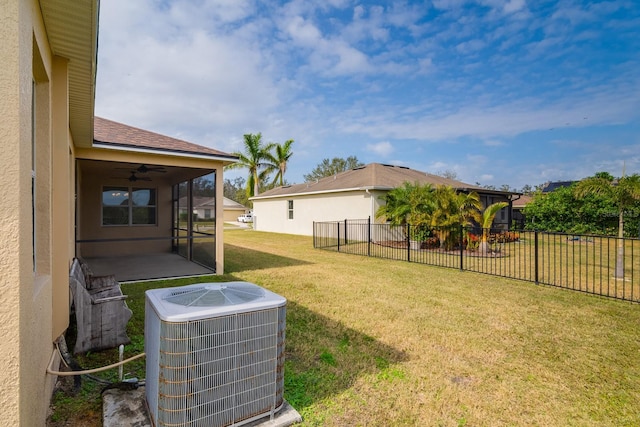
(136, 197)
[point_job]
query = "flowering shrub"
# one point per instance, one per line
(472, 241)
(506, 237)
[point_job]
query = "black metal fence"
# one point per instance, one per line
(600, 265)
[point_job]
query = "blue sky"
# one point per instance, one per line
(498, 91)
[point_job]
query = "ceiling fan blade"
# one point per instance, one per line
(145, 169)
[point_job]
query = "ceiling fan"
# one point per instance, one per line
(133, 177)
(145, 169)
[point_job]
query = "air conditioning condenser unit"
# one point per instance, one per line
(215, 354)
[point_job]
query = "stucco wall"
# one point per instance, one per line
(90, 210)
(231, 215)
(11, 132)
(272, 214)
(25, 296)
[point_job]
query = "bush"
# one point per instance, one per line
(430, 243)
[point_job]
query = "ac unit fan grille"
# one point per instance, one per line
(219, 371)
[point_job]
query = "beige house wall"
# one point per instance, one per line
(31, 310)
(271, 214)
(90, 210)
(232, 214)
(37, 228)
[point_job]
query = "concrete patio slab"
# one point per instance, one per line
(145, 267)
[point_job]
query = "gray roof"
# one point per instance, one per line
(553, 186)
(374, 176)
(210, 202)
(232, 204)
(121, 135)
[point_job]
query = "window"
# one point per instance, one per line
(128, 206)
(290, 209)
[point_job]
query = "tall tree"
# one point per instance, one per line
(625, 191)
(448, 173)
(254, 158)
(236, 190)
(279, 159)
(331, 167)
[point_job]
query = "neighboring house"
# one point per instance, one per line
(519, 203)
(68, 195)
(204, 209)
(548, 187)
(233, 209)
(354, 194)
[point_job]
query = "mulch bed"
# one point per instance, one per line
(402, 244)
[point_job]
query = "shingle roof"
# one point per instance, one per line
(553, 186)
(521, 202)
(232, 204)
(118, 134)
(374, 176)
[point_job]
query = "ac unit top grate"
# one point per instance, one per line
(203, 300)
(215, 295)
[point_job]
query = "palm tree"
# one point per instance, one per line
(624, 192)
(253, 158)
(452, 209)
(485, 219)
(279, 159)
(411, 204)
(407, 204)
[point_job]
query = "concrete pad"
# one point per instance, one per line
(125, 408)
(128, 408)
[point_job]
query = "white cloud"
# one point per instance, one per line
(383, 149)
(514, 6)
(323, 71)
(303, 32)
(470, 46)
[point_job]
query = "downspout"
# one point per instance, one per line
(511, 200)
(372, 213)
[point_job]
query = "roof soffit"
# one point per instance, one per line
(72, 30)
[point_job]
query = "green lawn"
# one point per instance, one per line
(379, 342)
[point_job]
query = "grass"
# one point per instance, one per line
(380, 342)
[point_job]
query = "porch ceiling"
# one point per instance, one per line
(122, 171)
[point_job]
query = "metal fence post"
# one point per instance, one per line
(369, 236)
(314, 235)
(535, 251)
(338, 225)
(345, 232)
(408, 243)
(461, 248)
